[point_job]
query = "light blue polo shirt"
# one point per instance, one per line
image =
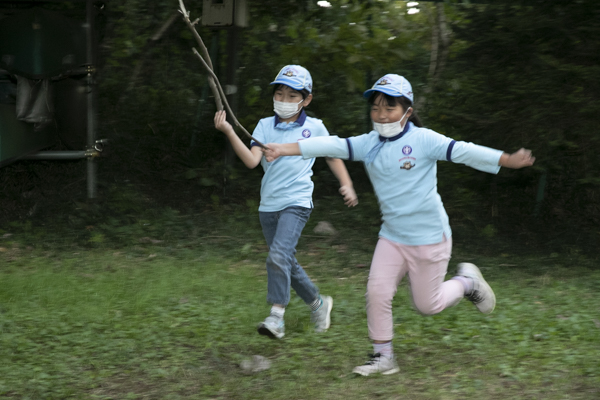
(287, 180)
(404, 177)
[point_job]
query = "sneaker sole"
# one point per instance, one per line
(391, 371)
(388, 372)
(263, 330)
(328, 319)
(473, 270)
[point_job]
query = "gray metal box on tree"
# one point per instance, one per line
(224, 13)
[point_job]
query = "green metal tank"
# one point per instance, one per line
(38, 44)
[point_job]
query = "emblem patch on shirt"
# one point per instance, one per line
(407, 165)
(306, 133)
(406, 150)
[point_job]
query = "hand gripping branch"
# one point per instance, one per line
(213, 81)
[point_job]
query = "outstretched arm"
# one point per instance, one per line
(250, 157)
(338, 168)
(276, 150)
(519, 159)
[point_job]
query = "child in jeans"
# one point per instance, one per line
(401, 158)
(286, 195)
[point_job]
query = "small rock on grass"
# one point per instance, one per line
(324, 228)
(255, 364)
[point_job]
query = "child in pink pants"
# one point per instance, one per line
(426, 267)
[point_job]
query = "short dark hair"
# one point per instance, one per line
(304, 92)
(402, 101)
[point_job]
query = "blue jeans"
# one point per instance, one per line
(282, 230)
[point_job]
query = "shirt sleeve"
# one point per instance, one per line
(444, 148)
(321, 129)
(259, 134)
(324, 146)
(359, 146)
(479, 157)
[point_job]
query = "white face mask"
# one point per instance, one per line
(390, 129)
(286, 110)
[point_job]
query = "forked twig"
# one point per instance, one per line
(213, 81)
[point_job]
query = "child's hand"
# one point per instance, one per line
(272, 152)
(221, 121)
(518, 159)
(349, 194)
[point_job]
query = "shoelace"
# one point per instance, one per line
(475, 296)
(374, 358)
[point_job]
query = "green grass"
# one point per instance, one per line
(161, 324)
(168, 310)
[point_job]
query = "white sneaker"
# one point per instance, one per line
(272, 326)
(378, 364)
(322, 316)
(482, 295)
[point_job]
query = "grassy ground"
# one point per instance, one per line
(165, 306)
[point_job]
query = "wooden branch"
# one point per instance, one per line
(435, 47)
(144, 57)
(440, 47)
(213, 81)
(190, 25)
(445, 38)
(222, 93)
(164, 28)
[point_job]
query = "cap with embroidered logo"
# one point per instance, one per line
(393, 85)
(294, 76)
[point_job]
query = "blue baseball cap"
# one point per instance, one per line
(393, 85)
(294, 76)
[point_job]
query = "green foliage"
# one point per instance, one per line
(526, 75)
(356, 41)
(518, 74)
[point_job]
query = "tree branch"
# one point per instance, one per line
(213, 81)
(222, 94)
(144, 57)
(444, 34)
(440, 46)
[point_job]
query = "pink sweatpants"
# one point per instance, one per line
(426, 267)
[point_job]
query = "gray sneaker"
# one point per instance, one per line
(322, 316)
(272, 327)
(378, 364)
(482, 295)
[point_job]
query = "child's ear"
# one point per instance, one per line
(307, 100)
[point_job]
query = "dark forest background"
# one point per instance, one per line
(503, 75)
